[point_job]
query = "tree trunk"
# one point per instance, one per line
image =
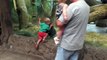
(22, 13)
(5, 20)
(0, 27)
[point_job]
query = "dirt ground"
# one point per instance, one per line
(22, 48)
(9, 55)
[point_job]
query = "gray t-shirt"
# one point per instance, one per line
(73, 36)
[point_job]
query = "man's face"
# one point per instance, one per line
(59, 1)
(73, 0)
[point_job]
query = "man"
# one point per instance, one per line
(72, 39)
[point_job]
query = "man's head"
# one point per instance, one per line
(74, 0)
(61, 1)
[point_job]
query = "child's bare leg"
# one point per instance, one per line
(37, 44)
(61, 28)
(45, 37)
(59, 34)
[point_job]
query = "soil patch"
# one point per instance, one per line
(22, 48)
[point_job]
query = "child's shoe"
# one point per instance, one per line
(56, 40)
(36, 46)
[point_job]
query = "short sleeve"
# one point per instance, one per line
(61, 19)
(70, 12)
(41, 24)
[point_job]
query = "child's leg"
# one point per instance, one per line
(61, 28)
(37, 44)
(60, 32)
(45, 36)
(39, 40)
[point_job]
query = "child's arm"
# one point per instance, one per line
(39, 21)
(51, 25)
(65, 11)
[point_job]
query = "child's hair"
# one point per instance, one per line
(47, 20)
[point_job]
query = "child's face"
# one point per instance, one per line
(47, 21)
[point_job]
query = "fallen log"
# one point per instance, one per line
(101, 23)
(98, 12)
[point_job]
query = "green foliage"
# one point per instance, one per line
(14, 16)
(44, 7)
(30, 7)
(38, 8)
(25, 33)
(38, 2)
(13, 13)
(31, 31)
(28, 3)
(41, 8)
(47, 6)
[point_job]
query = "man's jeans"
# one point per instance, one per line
(63, 54)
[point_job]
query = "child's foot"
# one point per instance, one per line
(36, 46)
(56, 40)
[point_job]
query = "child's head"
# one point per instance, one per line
(61, 1)
(47, 20)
